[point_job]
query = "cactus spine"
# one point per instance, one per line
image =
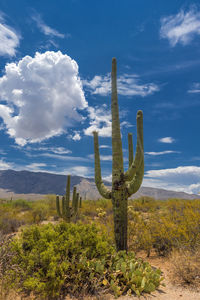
(68, 212)
(124, 184)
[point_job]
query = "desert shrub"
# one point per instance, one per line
(40, 212)
(139, 235)
(50, 200)
(145, 204)
(9, 219)
(52, 260)
(186, 267)
(22, 204)
(176, 226)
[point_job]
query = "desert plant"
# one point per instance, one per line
(124, 184)
(68, 212)
(53, 260)
(186, 266)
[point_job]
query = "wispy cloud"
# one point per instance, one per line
(182, 27)
(9, 39)
(104, 146)
(79, 171)
(127, 85)
(44, 28)
(195, 89)
(56, 150)
(162, 152)
(103, 157)
(181, 179)
(35, 167)
(64, 157)
(5, 165)
(167, 140)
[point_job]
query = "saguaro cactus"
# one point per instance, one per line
(124, 184)
(68, 212)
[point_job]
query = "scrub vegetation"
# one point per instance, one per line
(42, 255)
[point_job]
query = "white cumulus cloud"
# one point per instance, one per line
(181, 179)
(182, 27)
(43, 94)
(9, 39)
(127, 85)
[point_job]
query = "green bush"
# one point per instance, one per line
(53, 260)
(21, 203)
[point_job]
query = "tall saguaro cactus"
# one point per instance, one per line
(124, 184)
(68, 212)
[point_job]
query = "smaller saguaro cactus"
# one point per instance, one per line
(68, 212)
(80, 202)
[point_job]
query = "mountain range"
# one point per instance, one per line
(34, 185)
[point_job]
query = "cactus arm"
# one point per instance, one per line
(80, 202)
(139, 156)
(130, 149)
(134, 185)
(103, 190)
(67, 211)
(76, 204)
(58, 206)
(117, 162)
(63, 206)
(74, 197)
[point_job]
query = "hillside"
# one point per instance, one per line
(32, 185)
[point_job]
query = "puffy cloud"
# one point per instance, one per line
(76, 136)
(167, 140)
(127, 85)
(184, 179)
(9, 39)
(43, 94)
(45, 28)
(162, 152)
(100, 120)
(181, 28)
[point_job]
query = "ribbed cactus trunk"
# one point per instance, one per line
(119, 191)
(124, 184)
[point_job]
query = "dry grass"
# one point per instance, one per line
(186, 267)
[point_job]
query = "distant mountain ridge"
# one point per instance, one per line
(26, 182)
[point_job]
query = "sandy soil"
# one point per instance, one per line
(5, 194)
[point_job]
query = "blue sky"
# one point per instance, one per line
(55, 63)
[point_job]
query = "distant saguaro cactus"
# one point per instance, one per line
(124, 184)
(68, 212)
